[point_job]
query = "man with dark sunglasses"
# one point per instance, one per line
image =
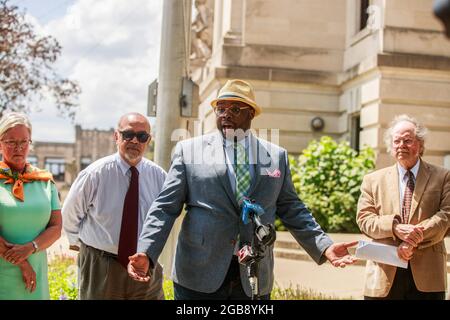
(104, 212)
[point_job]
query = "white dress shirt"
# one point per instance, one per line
(403, 179)
(92, 211)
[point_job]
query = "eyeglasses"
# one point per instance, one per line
(407, 142)
(235, 110)
(142, 136)
(12, 144)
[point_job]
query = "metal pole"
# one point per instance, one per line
(172, 67)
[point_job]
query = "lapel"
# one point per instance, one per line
(421, 182)
(393, 189)
(259, 153)
(216, 144)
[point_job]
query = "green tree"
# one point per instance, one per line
(26, 66)
(327, 177)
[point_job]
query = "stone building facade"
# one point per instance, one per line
(355, 64)
(66, 160)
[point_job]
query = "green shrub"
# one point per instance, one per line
(62, 278)
(168, 289)
(278, 293)
(327, 177)
(279, 226)
(62, 274)
(299, 293)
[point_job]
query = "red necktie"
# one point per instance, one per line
(407, 198)
(129, 227)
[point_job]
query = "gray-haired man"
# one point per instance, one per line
(407, 205)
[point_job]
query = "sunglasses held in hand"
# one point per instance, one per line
(142, 136)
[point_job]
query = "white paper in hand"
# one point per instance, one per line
(380, 252)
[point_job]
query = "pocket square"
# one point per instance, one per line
(274, 174)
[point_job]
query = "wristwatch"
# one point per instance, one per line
(35, 246)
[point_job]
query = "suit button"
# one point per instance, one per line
(233, 242)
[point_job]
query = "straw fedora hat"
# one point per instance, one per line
(237, 90)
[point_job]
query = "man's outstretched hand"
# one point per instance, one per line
(338, 254)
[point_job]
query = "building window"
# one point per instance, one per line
(33, 160)
(355, 130)
(57, 167)
(84, 162)
(363, 15)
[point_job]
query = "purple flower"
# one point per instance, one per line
(62, 296)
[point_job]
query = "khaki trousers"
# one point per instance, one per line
(102, 277)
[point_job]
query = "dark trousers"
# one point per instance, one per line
(404, 288)
(231, 288)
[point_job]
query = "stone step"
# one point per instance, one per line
(287, 248)
(301, 255)
(296, 254)
(284, 244)
(293, 254)
(286, 241)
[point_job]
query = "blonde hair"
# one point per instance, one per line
(12, 119)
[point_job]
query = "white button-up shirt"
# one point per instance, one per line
(92, 210)
(403, 179)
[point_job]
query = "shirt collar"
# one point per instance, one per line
(244, 142)
(124, 166)
(402, 171)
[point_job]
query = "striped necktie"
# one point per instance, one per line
(242, 170)
(407, 197)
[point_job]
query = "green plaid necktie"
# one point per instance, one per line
(242, 170)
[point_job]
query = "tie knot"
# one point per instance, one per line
(409, 174)
(134, 171)
(241, 155)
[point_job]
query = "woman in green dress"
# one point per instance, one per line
(30, 215)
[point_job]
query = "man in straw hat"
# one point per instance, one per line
(212, 175)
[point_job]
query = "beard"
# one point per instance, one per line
(132, 154)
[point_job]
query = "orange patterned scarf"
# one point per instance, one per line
(30, 174)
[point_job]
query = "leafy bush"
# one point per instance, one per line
(62, 273)
(278, 293)
(327, 177)
(168, 289)
(62, 278)
(300, 293)
(279, 226)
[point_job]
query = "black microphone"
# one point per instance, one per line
(251, 211)
(263, 233)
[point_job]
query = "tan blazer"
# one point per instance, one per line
(379, 203)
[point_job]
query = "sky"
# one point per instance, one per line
(110, 47)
